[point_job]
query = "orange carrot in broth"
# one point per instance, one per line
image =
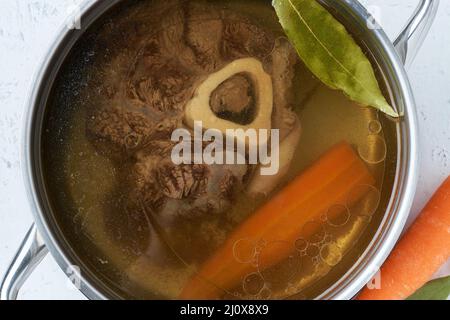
(419, 254)
(329, 181)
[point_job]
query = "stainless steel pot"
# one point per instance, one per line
(45, 236)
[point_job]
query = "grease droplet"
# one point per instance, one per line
(374, 150)
(375, 127)
(338, 215)
(313, 250)
(253, 284)
(244, 250)
(301, 244)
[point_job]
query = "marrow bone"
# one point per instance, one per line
(199, 108)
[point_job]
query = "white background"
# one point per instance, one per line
(28, 27)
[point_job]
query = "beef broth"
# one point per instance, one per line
(145, 224)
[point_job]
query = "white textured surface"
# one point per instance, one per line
(28, 27)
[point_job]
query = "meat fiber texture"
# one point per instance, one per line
(155, 57)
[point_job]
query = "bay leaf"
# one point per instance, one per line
(330, 52)
(438, 289)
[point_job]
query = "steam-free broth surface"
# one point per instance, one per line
(146, 226)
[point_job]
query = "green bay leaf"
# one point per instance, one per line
(330, 52)
(438, 289)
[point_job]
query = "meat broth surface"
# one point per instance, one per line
(145, 225)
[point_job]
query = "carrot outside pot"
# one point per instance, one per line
(332, 179)
(419, 254)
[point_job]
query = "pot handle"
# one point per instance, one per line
(413, 35)
(30, 254)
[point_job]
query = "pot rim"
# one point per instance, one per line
(376, 252)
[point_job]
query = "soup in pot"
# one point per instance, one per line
(151, 203)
